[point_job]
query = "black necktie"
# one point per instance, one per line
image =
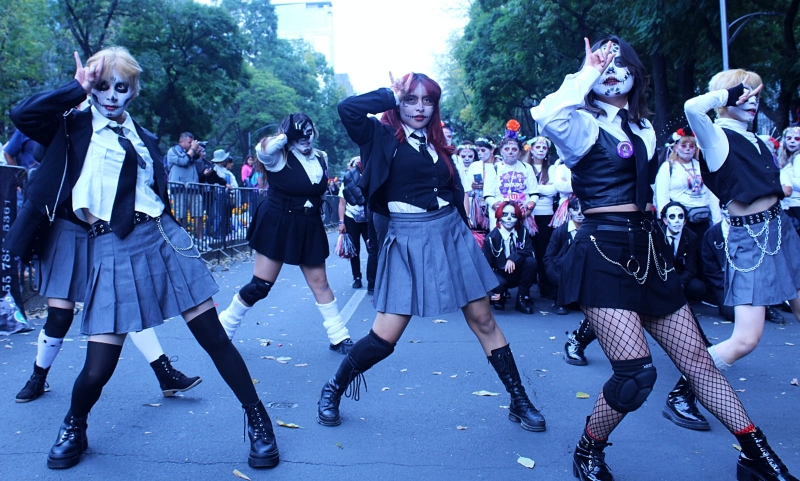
(640, 155)
(423, 146)
(125, 200)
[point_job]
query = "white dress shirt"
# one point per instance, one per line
(96, 187)
(274, 158)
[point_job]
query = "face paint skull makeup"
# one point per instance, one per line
(617, 80)
(467, 156)
(791, 139)
(111, 96)
(509, 218)
(416, 108)
(747, 111)
(675, 219)
(539, 149)
(576, 215)
(484, 154)
(510, 152)
(686, 150)
(305, 143)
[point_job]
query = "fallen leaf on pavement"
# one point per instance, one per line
(527, 462)
(454, 376)
(414, 341)
(301, 365)
(789, 344)
(485, 393)
(287, 425)
(339, 445)
(794, 382)
(462, 428)
(439, 321)
(437, 373)
(240, 474)
(255, 381)
(737, 447)
(552, 338)
(582, 395)
(152, 405)
(384, 389)
(403, 370)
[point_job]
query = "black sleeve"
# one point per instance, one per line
(552, 262)
(714, 272)
(354, 112)
(39, 115)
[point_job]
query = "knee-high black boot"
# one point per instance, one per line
(758, 462)
(589, 460)
(577, 342)
(368, 351)
(521, 409)
(681, 407)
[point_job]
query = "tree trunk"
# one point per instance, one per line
(789, 81)
(686, 81)
(661, 92)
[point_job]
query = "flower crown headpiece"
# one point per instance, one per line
(539, 138)
(682, 132)
(512, 129)
(792, 129)
(484, 140)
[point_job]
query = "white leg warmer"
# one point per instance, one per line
(232, 316)
(47, 349)
(332, 322)
(721, 365)
(147, 343)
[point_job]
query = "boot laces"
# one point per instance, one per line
(353, 389)
(171, 371)
(769, 455)
(258, 423)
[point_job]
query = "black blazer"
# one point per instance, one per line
(378, 145)
(557, 248)
(495, 240)
(50, 119)
(687, 258)
(713, 257)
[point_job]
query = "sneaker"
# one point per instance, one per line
(343, 347)
(357, 283)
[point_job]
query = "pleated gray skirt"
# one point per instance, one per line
(430, 264)
(64, 262)
(137, 282)
(777, 279)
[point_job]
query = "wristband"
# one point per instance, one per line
(733, 95)
(341, 222)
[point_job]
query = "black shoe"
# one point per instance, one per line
(577, 342)
(681, 408)
(70, 444)
(521, 409)
(589, 460)
(758, 462)
(524, 304)
(357, 283)
(170, 379)
(263, 446)
(332, 391)
(370, 288)
(343, 347)
(36, 385)
(498, 304)
(560, 310)
(773, 315)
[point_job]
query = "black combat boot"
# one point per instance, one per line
(524, 304)
(681, 407)
(170, 379)
(70, 444)
(577, 342)
(521, 409)
(36, 385)
(758, 462)
(498, 300)
(343, 347)
(332, 391)
(589, 460)
(263, 446)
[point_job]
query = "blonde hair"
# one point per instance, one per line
(118, 58)
(784, 156)
(731, 78)
(673, 152)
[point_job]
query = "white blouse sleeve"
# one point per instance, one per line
(662, 187)
(563, 180)
(710, 138)
(272, 155)
(573, 131)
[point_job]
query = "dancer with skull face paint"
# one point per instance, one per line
(679, 180)
(610, 147)
(410, 178)
(287, 227)
(114, 171)
(509, 250)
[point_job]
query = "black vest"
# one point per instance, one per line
(292, 180)
(602, 178)
(415, 180)
(746, 175)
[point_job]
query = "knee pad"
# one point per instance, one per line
(58, 322)
(256, 290)
(630, 385)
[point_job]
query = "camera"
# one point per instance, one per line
(202, 143)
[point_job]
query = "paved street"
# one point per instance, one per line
(406, 426)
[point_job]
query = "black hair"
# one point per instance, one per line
(674, 204)
(573, 203)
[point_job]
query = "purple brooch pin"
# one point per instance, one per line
(625, 149)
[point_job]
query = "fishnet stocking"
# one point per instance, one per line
(621, 335)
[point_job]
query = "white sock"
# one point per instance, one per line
(332, 322)
(147, 343)
(47, 349)
(232, 316)
(721, 365)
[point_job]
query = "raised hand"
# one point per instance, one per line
(599, 59)
(88, 76)
(399, 87)
(748, 92)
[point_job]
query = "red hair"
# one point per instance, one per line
(434, 127)
(517, 211)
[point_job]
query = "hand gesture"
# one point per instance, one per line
(88, 76)
(600, 59)
(748, 92)
(399, 87)
(510, 266)
(342, 229)
(477, 185)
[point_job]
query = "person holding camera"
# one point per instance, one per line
(287, 227)
(182, 167)
(353, 217)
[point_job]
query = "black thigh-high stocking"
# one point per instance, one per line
(101, 360)
(683, 342)
(209, 333)
(622, 338)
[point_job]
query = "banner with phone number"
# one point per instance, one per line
(12, 318)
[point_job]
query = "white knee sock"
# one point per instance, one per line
(721, 365)
(147, 343)
(332, 322)
(47, 349)
(232, 316)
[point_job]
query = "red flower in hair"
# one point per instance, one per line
(681, 132)
(513, 125)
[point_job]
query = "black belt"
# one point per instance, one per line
(743, 220)
(102, 227)
(631, 227)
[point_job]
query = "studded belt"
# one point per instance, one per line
(102, 227)
(750, 219)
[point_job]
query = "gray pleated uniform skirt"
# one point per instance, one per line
(64, 262)
(777, 279)
(137, 282)
(430, 264)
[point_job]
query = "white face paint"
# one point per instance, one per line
(675, 219)
(484, 153)
(306, 143)
(539, 150)
(617, 80)
(686, 150)
(510, 152)
(448, 136)
(111, 96)
(792, 140)
(416, 109)
(467, 156)
(576, 215)
(747, 111)
(509, 218)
